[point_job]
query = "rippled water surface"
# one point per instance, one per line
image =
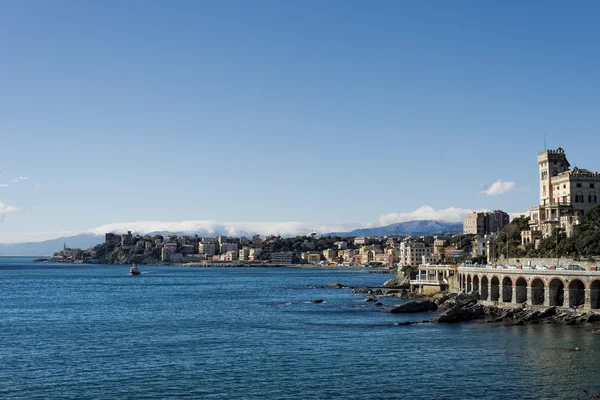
(252, 333)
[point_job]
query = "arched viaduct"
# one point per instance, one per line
(546, 288)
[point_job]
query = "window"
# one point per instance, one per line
(564, 186)
(579, 185)
(591, 185)
(592, 198)
(579, 197)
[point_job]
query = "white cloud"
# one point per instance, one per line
(37, 186)
(212, 228)
(22, 178)
(4, 185)
(450, 214)
(499, 187)
(5, 209)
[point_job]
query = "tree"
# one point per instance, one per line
(586, 237)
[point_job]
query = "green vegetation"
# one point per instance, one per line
(583, 244)
(508, 240)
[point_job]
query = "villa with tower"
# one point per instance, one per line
(565, 195)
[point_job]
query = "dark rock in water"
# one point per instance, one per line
(460, 300)
(332, 286)
(406, 323)
(548, 312)
(460, 314)
(370, 298)
(444, 298)
(395, 282)
(379, 304)
(317, 301)
(414, 307)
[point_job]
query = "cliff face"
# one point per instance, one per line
(117, 254)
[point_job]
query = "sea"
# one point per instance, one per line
(94, 332)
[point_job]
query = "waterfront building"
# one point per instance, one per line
(329, 254)
(565, 195)
(244, 254)
(227, 246)
(254, 254)
(313, 257)
(167, 251)
(386, 259)
(482, 223)
(256, 240)
(282, 257)
(412, 252)
(348, 255)
(391, 251)
(207, 247)
(176, 258)
(231, 255)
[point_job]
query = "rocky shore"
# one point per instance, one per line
(456, 308)
(465, 307)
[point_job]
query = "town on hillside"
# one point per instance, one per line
(565, 223)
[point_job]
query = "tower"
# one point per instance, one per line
(551, 163)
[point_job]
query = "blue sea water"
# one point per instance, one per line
(93, 332)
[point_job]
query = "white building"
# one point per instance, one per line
(565, 194)
(411, 253)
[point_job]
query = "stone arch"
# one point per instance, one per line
(576, 293)
(537, 292)
(476, 284)
(521, 290)
(484, 287)
(556, 289)
(507, 289)
(595, 294)
(469, 286)
(495, 288)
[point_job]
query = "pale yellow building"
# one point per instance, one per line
(565, 195)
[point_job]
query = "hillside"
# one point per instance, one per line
(412, 228)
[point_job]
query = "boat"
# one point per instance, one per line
(134, 270)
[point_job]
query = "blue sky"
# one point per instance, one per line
(322, 112)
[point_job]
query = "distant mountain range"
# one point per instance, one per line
(409, 228)
(87, 240)
(48, 247)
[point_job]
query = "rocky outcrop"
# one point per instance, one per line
(464, 307)
(332, 286)
(317, 301)
(415, 307)
(462, 313)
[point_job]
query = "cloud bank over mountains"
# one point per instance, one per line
(450, 214)
(289, 228)
(214, 228)
(208, 228)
